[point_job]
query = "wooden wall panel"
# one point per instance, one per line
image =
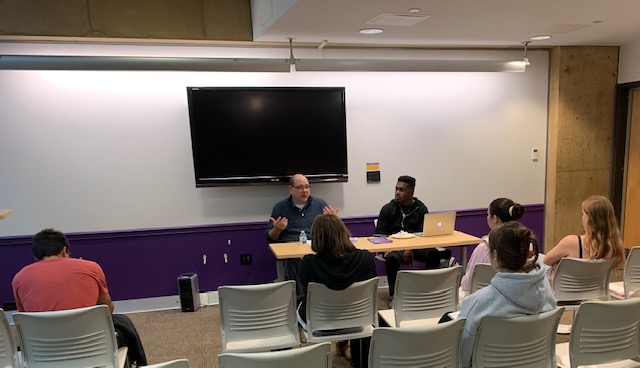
(581, 106)
(226, 20)
(69, 18)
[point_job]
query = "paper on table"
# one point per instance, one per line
(379, 240)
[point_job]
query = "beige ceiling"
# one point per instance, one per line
(459, 22)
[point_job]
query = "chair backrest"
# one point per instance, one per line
(81, 337)
(481, 276)
(426, 293)
(631, 276)
(425, 346)
(353, 307)
(581, 279)
(525, 341)
(8, 351)
(178, 363)
(312, 356)
(605, 331)
(258, 317)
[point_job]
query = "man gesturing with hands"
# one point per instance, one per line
(294, 214)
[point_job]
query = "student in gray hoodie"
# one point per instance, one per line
(520, 286)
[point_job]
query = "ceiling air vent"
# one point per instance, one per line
(397, 19)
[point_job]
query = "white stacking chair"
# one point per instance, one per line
(335, 315)
(178, 363)
(577, 280)
(423, 296)
(423, 346)
(523, 342)
(631, 276)
(313, 356)
(338, 315)
(8, 350)
(82, 337)
(258, 317)
(603, 332)
(481, 276)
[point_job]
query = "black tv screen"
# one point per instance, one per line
(260, 135)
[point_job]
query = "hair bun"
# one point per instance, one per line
(516, 211)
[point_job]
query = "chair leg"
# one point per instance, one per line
(566, 329)
(361, 356)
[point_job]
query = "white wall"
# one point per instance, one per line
(628, 64)
(83, 151)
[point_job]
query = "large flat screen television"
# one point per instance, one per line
(263, 135)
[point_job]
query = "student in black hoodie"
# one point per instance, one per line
(406, 213)
(336, 264)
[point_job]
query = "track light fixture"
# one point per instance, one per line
(65, 62)
(292, 60)
(525, 59)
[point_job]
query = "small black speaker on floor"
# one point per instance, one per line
(189, 292)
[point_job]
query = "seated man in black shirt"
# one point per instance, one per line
(406, 213)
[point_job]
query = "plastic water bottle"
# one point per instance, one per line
(303, 237)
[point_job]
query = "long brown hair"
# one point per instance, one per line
(603, 234)
(330, 236)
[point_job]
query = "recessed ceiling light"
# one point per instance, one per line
(370, 31)
(414, 10)
(540, 38)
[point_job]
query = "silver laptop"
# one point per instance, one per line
(438, 223)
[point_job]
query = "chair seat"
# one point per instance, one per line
(616, 290)
(388, 316)
(264, 343)
(176, 363)
(324, 336)
(315, 356)
(122, 356)
(562, 359)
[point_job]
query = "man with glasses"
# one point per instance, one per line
(294, 214)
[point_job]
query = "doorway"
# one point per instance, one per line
(626, 162)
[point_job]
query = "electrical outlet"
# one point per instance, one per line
(245, 259)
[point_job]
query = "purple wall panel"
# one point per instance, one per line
(146, 263)
(14, 254)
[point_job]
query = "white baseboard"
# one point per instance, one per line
(160, 303)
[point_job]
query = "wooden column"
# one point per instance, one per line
(581, 112)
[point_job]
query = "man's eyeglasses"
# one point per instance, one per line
(303, 187)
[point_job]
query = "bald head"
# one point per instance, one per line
(299, 189)
(296, 179)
